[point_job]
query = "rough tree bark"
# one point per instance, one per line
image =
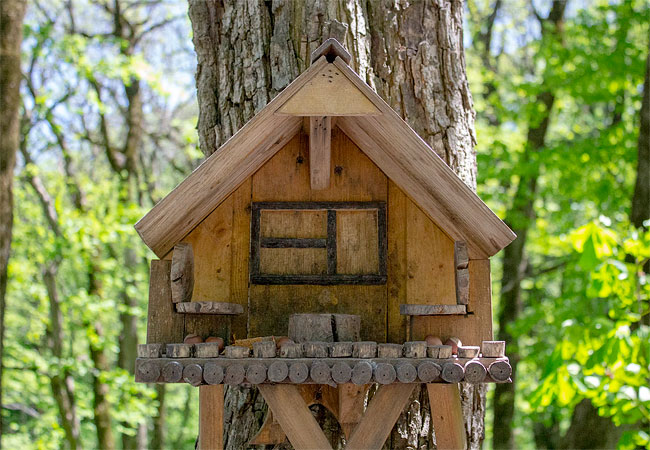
(411, 54)
(11, 36)
(520, 218)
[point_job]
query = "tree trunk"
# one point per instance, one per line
(11, 37)
(412, 55)
(520, 218)
(641, 198)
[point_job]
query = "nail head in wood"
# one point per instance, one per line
(415, 349)
(178, 350)
(172, 372)
(493, 349)
(341, 349)
(148, 372)
(315, 349)
(364, 349)
(206, 350)
(237, 351)
(264, 349)
(331, 48)
(278, 371)
(406, 373)
(150, 350)
(341, 372)
(500, 370)
(475, 372)
(389, 350)
(298, 372)
(468, 351)
(213, 373)
(385, 373)
(256, 373)
(361, 373)
(452, 372)
(428, 371)
(291, 350)
(234, 374)
(193, 374)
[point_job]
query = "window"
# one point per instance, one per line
(318, 243)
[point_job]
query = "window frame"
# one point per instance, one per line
(328, 243)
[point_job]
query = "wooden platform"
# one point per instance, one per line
(332, 371)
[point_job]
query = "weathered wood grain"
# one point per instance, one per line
(389, 350)
(264, 349)
(256, 373)
(213, 373)
(341, 372)
(164, 324)
(341, 349)
(236, 351)
(315, 349)
(182, 272)
(320, 372)
(210, 417)
(500, 370)
(493, 349)
(193, 374)
(452, 372)
(468, 351)
(415, 349)
(378, 420)
(384, 373)
(406, 372)
(475, 372)
(428, 371)
(291, 412)
(447, 416)
(361, 373)
(364, 349)
(298, 372)
(320, 151)
(150, 350)
(221, 308)
(432, 310)
(278, 371)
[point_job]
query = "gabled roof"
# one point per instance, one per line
(373, 125)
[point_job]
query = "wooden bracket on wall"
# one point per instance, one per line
(320, 151)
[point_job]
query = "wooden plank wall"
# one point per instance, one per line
(420, 255)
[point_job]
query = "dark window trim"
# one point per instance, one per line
(329, 243)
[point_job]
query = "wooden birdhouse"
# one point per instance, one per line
(325, 219)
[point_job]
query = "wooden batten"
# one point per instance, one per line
(320, 151)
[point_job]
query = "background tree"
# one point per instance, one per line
(11, 36)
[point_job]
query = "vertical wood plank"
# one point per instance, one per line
(397, 275)
(351, 404)
(241, 220)
(211, 241)
(211, 417)
(320, 151)
(480, 298)
(447, 416)
(378, 420)
(164, 324)
(291, 412)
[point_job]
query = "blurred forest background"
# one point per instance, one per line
(107, 127)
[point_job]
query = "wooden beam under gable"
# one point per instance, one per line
(320, 151)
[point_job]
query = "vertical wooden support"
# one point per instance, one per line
(164, 324)
(380, 417)
(211, 417)
(320, 151)
(293, 415)
(447, 416)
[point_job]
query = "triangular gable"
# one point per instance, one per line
(387, 140)
(329, 93)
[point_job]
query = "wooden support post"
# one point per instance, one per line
(447, 416)
(382, 413)
(320, 151)
(211, 417)
(293, 415)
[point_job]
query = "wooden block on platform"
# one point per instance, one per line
(341, 349)
(493, 349)
(206, 350)
(389, 350)
(432, 310)
(415, 349)
(236, 351)
(468, 351)
(150, 350)
(220, 308)
(365, 349)
(178, 350)
(264, 349)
